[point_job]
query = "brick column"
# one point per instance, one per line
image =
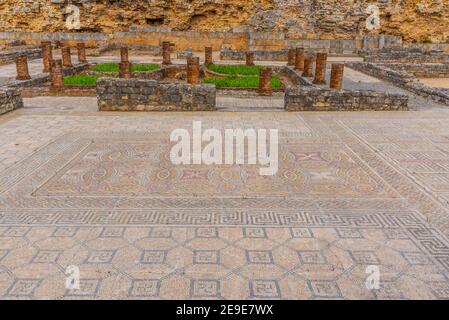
(337, 76)
(193, 70)
(308, 66)
(124, 55)
(208, 56)
(166, 48)
(57, 75)
(47, 55)
(66, 56)
(125, 70)
(81, 52)
(265, 82)
(299, 59)
(320, 69)
(250, 58)
(291, 57)
(22, 68)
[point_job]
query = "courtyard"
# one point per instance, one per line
(89, 193)
(97, 191)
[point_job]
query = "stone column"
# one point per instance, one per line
(250, 58)
(47, 55)
(57, 75)
(308, 66)
(320, 68)
(166, 48)
(299, 59)
(291, 57)
(265, 82)
(22, 68)
(81, 52)
(66, 56)
(337, 76)
(193, 70)
(124, 55)
(125, 70)
(208, 56)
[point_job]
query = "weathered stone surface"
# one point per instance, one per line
(401, 79)
(337, 71)
(259, 55)
(308, 66)
(249, 58)
(424, 20)
(309, 98)
(193, 70)
(7, 57)
(10, 99)
(81, 50)
(125, 69)
(57, 75)
(47, 55)
(404, 55)
(265, 81)
(66, 56)
(208, 56)
(320, 69)
(427, 70)
(150, 95)
(22, 68)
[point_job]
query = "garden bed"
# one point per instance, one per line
(113, 67)
(238, 77)
(83, 79)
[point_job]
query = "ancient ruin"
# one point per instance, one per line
(347, 100)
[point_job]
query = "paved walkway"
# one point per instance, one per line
(98, 192)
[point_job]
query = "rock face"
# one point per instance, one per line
(414, 20)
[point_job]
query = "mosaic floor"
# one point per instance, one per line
(97, 191)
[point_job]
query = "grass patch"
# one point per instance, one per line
(81, 80)
(113, 67)
(236, 70)
(241, 82)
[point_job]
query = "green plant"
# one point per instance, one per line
(241, 82)
(236, 69)
(113, 67)
(81, 80)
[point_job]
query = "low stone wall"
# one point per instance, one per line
(10, 99)
(401, 79)
(149, 75)
(308, 98)
(151, 38)
(294, 76)
(432, 70)
(41, 79)
(404, 55)
(228, 54)
(150, 95)
(67, 91)
(7, 57)
(282, 54)
(173, 71)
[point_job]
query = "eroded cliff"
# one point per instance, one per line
(414, 20)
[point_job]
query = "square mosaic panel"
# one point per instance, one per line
(134, 167)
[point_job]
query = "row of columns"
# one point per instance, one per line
(55, 67)
(305, 63)
(167, 48)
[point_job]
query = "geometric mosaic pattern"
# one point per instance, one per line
(352, 190)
